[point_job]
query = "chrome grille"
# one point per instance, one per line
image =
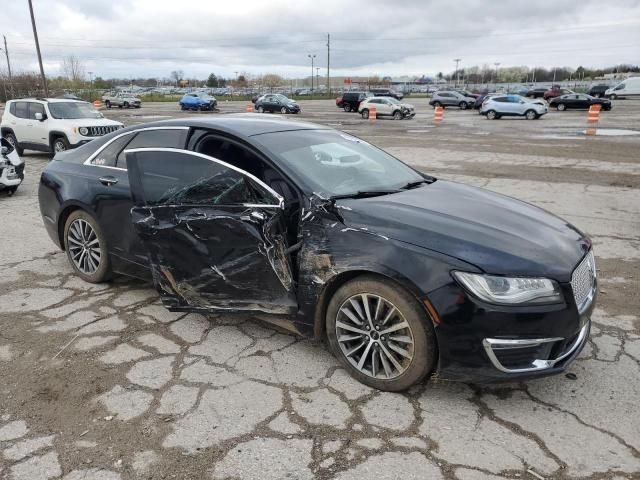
(100, 131)
(583, 280)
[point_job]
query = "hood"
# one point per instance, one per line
(498, 234)
(96, 122)
(407, 105)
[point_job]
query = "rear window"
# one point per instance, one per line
(22, 110)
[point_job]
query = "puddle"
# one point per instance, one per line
(613, 132)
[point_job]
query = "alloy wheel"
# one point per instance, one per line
(84, 246)
(374, 336)
(531, 115)
(59, 146)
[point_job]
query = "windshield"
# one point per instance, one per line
(67, 110)
(334, 163)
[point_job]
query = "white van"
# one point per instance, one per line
(628, 88)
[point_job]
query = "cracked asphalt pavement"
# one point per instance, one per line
(101, 382)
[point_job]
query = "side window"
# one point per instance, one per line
(187, 179)
(22, 109)
(12, 109)
(620, 87)
(162, 138)
(107, 157)
(35, 108)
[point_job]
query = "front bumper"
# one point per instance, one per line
(487, 343)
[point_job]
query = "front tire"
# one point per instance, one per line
(283, 110)
(347, 108)
(397, 115)
(86, 248)
(613, 96)
(107, 104)
(11, 138)
(381, 334)
(437, 104)
(260, 109)
(365, 114)
(60, 144)
(463, 105)
(561, 107)
(530, 115)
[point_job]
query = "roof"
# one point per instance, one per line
(48, 100)
(241, 124)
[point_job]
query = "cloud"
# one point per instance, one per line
(151, 37)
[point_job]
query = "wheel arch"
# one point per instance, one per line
(57, 134)
(66, 211)
(332, 286)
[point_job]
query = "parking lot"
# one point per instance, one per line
(101, 382)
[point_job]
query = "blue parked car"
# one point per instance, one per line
(198, 101)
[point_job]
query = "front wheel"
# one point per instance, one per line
(60, 144)
(463, 105)
(283, 110)
(86, 247)
(347, 108)
(365, 114)
(260, 109)
(381, 334)
(613, 96)
(107, 104)
(531, 115)
(397, 115)
(437, 104)
(126, 104)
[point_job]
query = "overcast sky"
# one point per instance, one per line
(150, 38)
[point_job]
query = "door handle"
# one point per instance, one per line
(108, 180)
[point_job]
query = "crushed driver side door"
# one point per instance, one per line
(214, 234)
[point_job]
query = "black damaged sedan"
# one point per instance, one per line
(404, 274)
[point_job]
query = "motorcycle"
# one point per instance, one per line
(11, 168)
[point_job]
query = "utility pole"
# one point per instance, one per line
(328, 63)
(312, 57)
(35, 37)
(457, 60)
(497, 64)
(317, 77)
(6, 52)
(90, 86)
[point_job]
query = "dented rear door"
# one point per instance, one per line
(215, 235)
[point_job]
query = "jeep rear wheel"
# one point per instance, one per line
(11, 138)
(347, 108)
(365, 113)
(107, 104)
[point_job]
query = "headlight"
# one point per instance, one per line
(510, 290)
(83, 130)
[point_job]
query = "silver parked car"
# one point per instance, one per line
(451, 99)
(514, 106)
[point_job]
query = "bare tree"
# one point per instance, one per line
(73, 70)
(272, 80)
(177, 75)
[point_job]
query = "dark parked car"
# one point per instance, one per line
(386, 92)
(598, 91)
(578, 100)
(276, 102)
(351, 100)
(403, 273)
(536, 92)
(481, 98)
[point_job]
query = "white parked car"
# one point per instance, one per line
(386, 107)
(513, 106)
(53, 124)
(451, 99)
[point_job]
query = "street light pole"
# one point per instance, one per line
(317, 77)
(312, 57)
(90, 86)
(457, 60)
(35, 37)
(6, 52)
(497, 64)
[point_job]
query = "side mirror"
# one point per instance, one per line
(39, 117)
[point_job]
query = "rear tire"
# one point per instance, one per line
(347, 108)
(11, 138)
(365, 114)
(492, 115)
(613, 96)
(82, 230)
(561, 107)
(107, 104)
(126, 105)
(394, 370)
(437, 104)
